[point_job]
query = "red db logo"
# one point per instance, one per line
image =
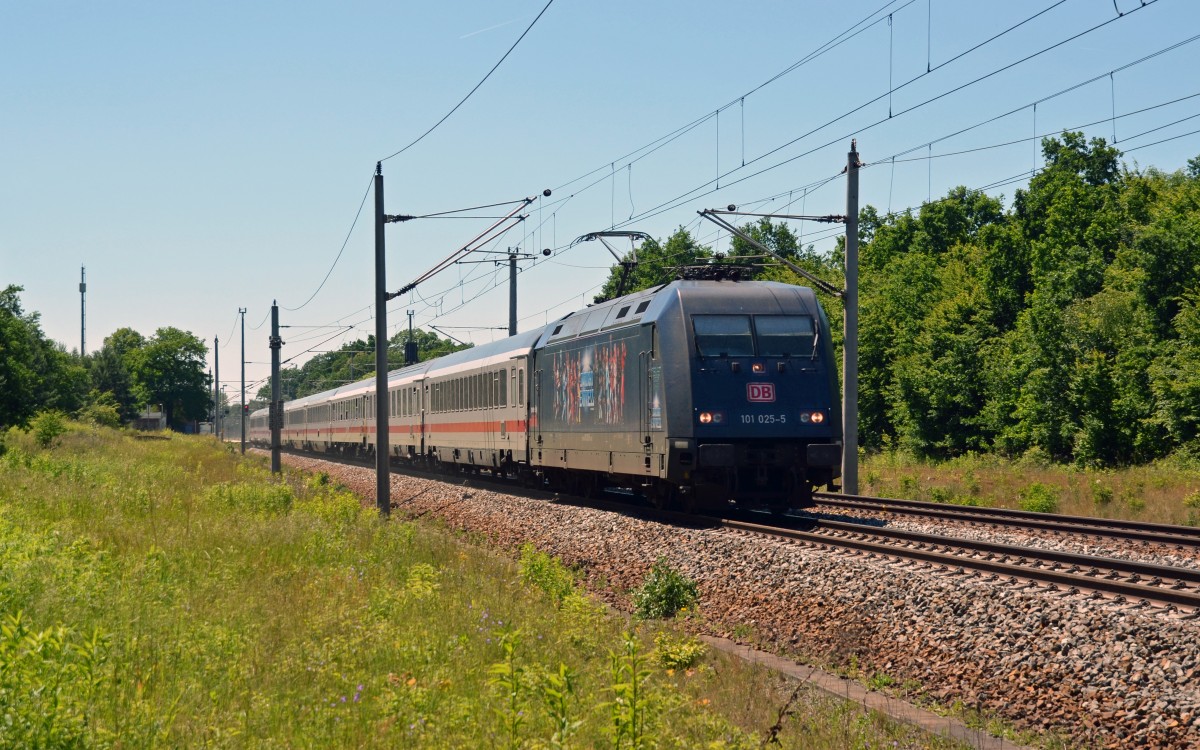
(761, 392)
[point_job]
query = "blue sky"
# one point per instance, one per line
(198, 158)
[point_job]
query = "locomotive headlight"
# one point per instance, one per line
(818, 417)
(705, 417)
(805, 417)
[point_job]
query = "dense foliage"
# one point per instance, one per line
(1066, 326)
(35, 372)
(129, 372)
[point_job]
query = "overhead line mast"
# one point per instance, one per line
(242, 416)
(383, 477)
(82, 313)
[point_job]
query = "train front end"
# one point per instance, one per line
(762, 426)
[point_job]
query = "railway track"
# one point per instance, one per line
(1179, 537)
(1175, 589)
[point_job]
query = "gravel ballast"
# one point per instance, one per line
(1102, 674)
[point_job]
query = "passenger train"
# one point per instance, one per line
(696, 394)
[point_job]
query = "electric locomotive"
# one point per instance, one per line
(696, 393)
(702, 393)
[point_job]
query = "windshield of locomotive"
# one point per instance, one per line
(785, 335)
(723, 335)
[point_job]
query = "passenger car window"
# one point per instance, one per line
(723, 335)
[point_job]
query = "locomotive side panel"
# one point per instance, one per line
(593, 404)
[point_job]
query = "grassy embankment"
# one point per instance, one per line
(1166, 492)
(168, 593)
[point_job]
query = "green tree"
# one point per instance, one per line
(781, 240)
(170, 370)
(1193, 167)
(1175, 380)
(35, 373)
(110, 375)
(1065, 326)
(938, 383)
(926, 292)
(124, 342)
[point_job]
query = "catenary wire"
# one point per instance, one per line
(341, 250)
(661, 141)
(940, 65)
(472, 91)
(720, 176)
(696, 193)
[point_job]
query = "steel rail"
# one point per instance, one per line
(1119, 565)
(1136, 590)
(1158, 533)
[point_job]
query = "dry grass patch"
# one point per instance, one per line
(1158, 493)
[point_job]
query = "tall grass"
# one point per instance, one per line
(169, 593)
(1157, 493)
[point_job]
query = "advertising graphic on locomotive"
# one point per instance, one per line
(695, 393)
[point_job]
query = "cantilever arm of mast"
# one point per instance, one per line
(499, 227)
(717, 217)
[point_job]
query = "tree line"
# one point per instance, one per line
(132, 372)
(129, 373)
